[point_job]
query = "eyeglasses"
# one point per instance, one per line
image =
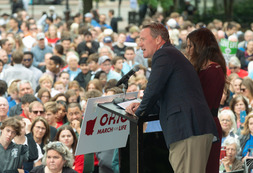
(36, 112)
(233, 68)
(243, 89)
(27, 60)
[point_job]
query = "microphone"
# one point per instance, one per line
(126, 77)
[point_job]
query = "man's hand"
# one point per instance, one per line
(131, 109)
(76, 125)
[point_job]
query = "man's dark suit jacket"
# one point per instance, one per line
(175, 86)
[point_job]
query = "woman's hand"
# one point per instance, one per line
(225, 161)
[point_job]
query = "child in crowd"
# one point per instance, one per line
(59, 86)
(50, 113)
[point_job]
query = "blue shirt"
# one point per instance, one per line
(248, 145)
(126, 67)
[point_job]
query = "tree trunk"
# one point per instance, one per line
(87, 6)
(230, 9)
(214, 4)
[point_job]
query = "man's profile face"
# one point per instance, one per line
(27, 60)
(25, 89)
(3, 56)
(147, 43)
(4, 107)
(74, 114)
(52, 66)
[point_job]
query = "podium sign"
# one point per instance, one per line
(102, 130)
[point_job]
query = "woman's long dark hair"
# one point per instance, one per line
(205, 48)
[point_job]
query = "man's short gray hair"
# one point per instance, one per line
(62, 150)
(23, 82)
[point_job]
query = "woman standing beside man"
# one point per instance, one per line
(205, 55)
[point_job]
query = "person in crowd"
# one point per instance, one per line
(39, 51)
(73, 68)
(50, 113)
(94, 84)
(170, 65)
(4, 107)
(59, 86)
(13, 94)
(25, 102)
(130, 62)
(28, 63)
(249, 51)
(237, 105)
(64, 77)
(7, 46)
(26, 138)
(51, 35)
(74, 116)
(230, 162)
(228, 124)
(46, 81)
(67, 136)
(47, 62)
(105, 65)
(102, 77)
(18, 71)
(58, 97)
(117, 64)
(234, 66)
(247, 90)
(66, 42)
(44, 95)
(93, 64)
(248, 35)
(119, 48)
(57, 158)
(236, 84)
(246, 138)
(54, 67)
(89, 44)
(71, 96)
(85, 75)
(61, 117)
(37, 109)
(24, 87)
(134, 33)
(4, 58)
(12, 161)
(205, 55)
(113, 21)
(40, 131)
(106, 51)
(88, 18)
(102, 22)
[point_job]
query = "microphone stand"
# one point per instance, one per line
(118, 100)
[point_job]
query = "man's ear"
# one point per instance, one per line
(158, 39)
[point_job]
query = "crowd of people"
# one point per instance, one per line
(49, 68)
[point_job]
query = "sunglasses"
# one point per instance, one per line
(36, 112)
(27, 60)
(233, 68)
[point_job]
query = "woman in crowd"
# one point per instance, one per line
(236, 84)
(44, 95)
(57, 158)
(230, 162)
(246, 140)
(51, 35)
(237, 105)
(228, 125)
(247, 89)
(205, 55)
(26, 138)
(61, 113)
(67, 136)
(94, 84)
(46, 81)
(71, 96)
(60, 96)
(40, 131)
(102, 77)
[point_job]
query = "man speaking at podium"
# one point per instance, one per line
(173, 85)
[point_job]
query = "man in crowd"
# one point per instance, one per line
(106, 65)
(40, 50)
(17, 71)
(28, 63)
(4, 107)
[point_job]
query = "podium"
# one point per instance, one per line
(139, 162)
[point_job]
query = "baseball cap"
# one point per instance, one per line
(88, 15)
(40, 36)
(107, 39)
(102, 59)
(172, 23)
